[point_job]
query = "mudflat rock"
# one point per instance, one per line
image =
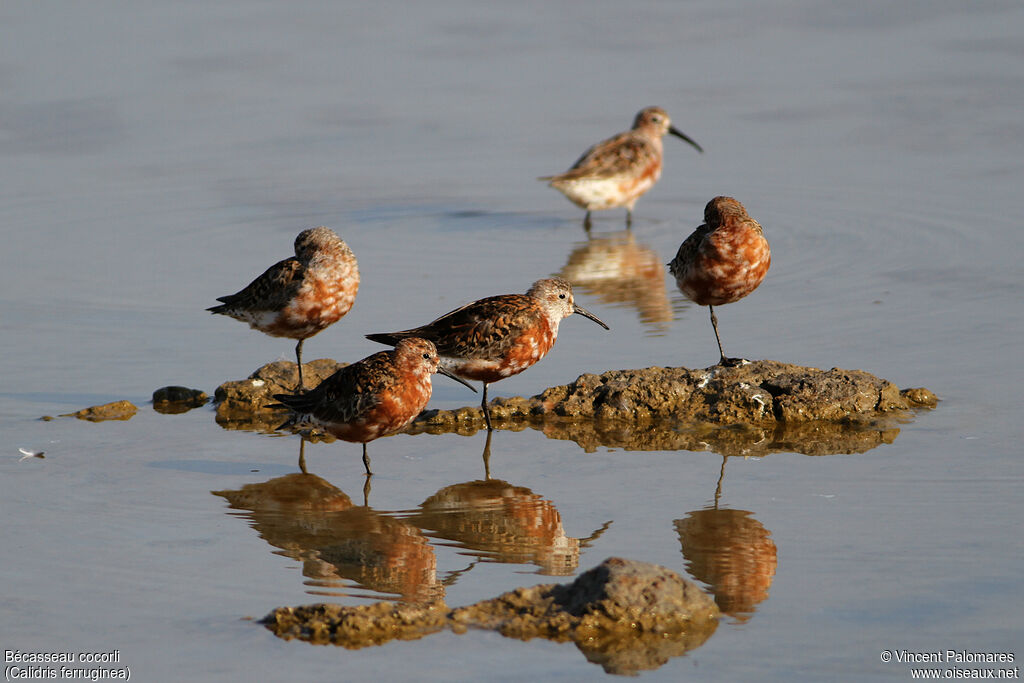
(618, 594)
(758, 393)
(357, 627)
(118, 410)
(624, 615)
(176, 399)
(242, 404)
(754, 409)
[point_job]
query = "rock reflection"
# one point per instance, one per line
(496, 521)
(642, 652)
(617, 270)
(809, 438)
(315, 523)
(732, 553)
(817, 437)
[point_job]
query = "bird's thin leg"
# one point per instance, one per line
(298, 357)
(586, 222)
(714, 324)
(729, 362)
(366, 462)
(629, 219)
(487, 412)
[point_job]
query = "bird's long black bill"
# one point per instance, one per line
(457, 379)
(587, 314)
(680, 134)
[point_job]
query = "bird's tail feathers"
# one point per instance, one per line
(389, 338)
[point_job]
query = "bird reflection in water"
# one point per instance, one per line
(496, 521)
(618, 270)
(731, 552)
(338, 543)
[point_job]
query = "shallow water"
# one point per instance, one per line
(154, 158)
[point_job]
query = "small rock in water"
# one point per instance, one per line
(118, 410)
(356, 627)
(242, 404)
(176, 399)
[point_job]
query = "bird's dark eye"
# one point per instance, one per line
(426, 356)
(561, 296)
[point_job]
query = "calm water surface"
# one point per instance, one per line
(153, 158)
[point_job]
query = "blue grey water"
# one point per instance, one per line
(154, 156)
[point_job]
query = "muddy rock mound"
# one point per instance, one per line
(756, 393)
(242, 404)
(118, 410)
(617, 595)
(624, 615)
(357, 627)
(174, 400)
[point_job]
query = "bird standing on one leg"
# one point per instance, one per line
(371, 398)
(300, 295)
(722, 261)
(500, 336)
(619, 170)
